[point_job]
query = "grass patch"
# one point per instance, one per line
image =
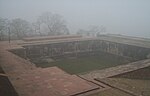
(88, 63)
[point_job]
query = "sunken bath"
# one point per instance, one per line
(78, 55)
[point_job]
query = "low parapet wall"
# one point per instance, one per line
(51, 37)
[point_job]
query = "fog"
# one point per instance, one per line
(128, 17)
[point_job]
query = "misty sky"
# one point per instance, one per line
(129, 17)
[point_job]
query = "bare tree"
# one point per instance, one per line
(20, 28)
(55, 23)
(37, 28)
(97, 30)
(92, 31)
(83, 32)
(3, 28)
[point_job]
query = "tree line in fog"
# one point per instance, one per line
(47, 24)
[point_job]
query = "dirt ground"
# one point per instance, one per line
(136, 82)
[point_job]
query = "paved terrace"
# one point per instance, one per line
(56, 41)
(140, 42)
(29, 80)
(135, 41)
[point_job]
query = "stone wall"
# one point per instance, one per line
(77, 47)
